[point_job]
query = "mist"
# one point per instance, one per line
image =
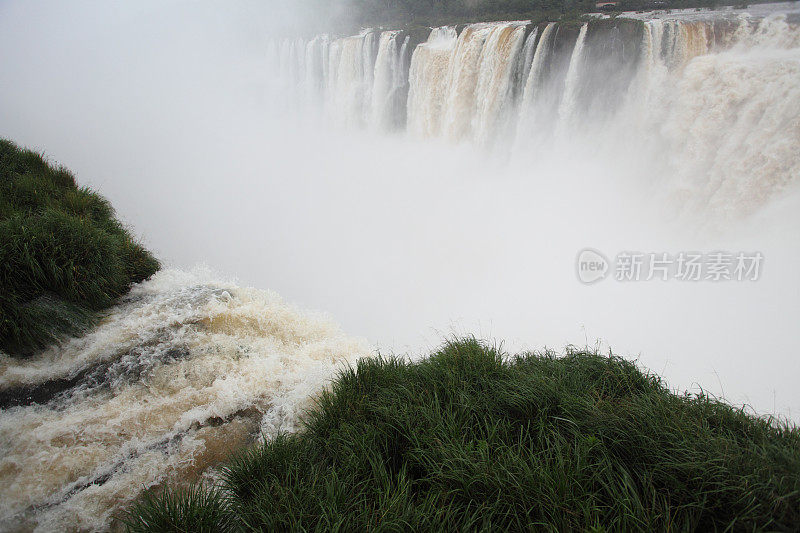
(174, 112)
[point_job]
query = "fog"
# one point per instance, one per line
(172, 111)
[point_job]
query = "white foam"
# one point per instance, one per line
(241, 358)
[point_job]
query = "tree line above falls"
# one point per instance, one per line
(344, 14)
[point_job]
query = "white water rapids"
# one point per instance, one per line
(178, 376)
(414, 186)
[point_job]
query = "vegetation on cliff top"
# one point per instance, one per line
(348, 15)
(63, 254)
(470, 440)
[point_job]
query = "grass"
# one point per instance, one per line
(63, 254)
(470, 440)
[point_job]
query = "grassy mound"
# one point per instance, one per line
(466, 440)
(63, 255)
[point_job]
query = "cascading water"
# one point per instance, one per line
(533, 82)
(351, 72)
(390, 90)
(428, 75)
(180, 374)
(528, 53)
(462, 80)
(721, 99)
(644, 83)
(314, 60)
(566, 110)
(359, 80)
(494, 91)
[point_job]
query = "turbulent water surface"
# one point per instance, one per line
(176, 377)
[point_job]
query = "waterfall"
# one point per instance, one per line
(533, 83)
(537, 65)
(528, 52)
(352, 78)
(186, 369)
(495, 77)
(314, 73)
(428, 82)
(644, 81)
(736, 146)
(460, 85)
(389, 87)
(462, 80)
(568, 101)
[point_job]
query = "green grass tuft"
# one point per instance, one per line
(204, 508)
(467, 439)
(63, 255)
